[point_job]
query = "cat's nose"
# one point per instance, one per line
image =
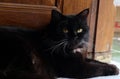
(72, 35)
(71, 46)
(73, 39)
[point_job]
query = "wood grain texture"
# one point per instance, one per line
(92, 24)
(35, 2)
(105, 26)
(31, 16)
(59, 4)
(75, 6)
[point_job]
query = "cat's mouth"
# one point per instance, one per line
(79, 50)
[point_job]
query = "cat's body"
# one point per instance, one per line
(54, 52)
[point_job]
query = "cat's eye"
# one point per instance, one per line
(65, 30)
(79, 30)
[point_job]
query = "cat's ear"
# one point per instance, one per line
(56, 15)
(83, 14)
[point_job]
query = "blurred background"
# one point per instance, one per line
(116, 39)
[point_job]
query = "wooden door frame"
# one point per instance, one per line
(104, 30)
(93, 25)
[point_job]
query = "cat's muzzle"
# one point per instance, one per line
(81, 48)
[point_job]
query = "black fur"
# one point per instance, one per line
(56, 51)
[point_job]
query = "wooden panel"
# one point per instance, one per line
(75, 6)
(59, 4)
(92, 24)
(35, 2)
(32, 16)
(105, 26)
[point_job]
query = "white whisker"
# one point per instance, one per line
(64, 47)
(57, 46)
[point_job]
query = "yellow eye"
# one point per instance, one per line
(79, 30)
(65, 30)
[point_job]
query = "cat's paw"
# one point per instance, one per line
(111, 69)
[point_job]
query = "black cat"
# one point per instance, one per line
(56, 51)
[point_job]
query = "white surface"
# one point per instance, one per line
(103, 77)
(107, 77)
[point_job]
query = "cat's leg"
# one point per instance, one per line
(94, 68)
(75, 68)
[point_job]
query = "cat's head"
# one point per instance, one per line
(71, 31)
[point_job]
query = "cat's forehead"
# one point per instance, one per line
(71, 20)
